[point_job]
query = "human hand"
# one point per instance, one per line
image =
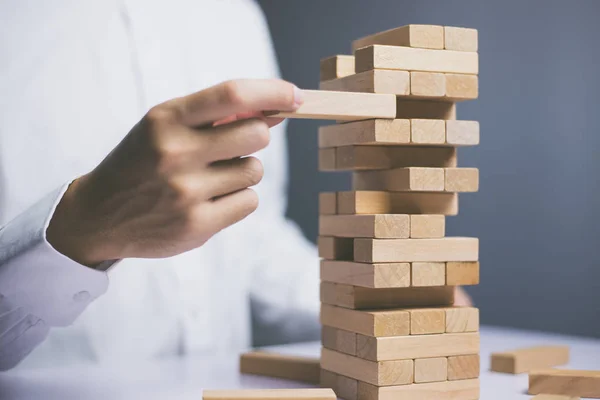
(179, 176)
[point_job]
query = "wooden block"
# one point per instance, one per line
(344, 387)
(360, 298)
(413, 59)
(377, 202)
(333, 248)
(396, 372)
(338, 339)
(428, 274)
(302, 369)
(425, 226)
(427, 84)
(367, 226)
(416, 250)
(462, 133)
(424, 36)
(262, 394)
(554, 397)
(416, 346)
(462, 273)
(327, 159)
(409, 179)
(426, 321)
(374, 81)
(467, 389)
(463, 367)
(374, 131)
(343, 106)
(431, 369)
(371, 323)
(336, 67)
(387, 275)
(529, 358)
(461, 180)
(565, 382)
(385, 157)
(427, 131)
(425, 109)
(460, 39)
(462, 319)
(461, 87)
(327, 203)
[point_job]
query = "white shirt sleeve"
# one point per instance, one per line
(39, 287)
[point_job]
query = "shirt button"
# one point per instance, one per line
(81, 296)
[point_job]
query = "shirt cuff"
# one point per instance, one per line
(35, 276)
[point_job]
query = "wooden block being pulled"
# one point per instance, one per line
(338, 339)
(425, 109)
(371, 323)
(462, 133)
(467, 389)
(302, 369)
(336, 67)
(366, 226)
(527, 359)
(327, 159)
(361, 298)
(461, 180)
(460, 39)
(463, 367)
(462, 273)
(431, 369)
(413, 59)
(461, 87)
(381, 202)
(334, 248)
(428, 274)
(554, 397)
(462, 319)
(374, 81)
(327, 203)
(423, 226)
(264, 394)
(395, 372)
(565, 382)
(418, 179)
(343, 106)
(416, 346)
(427, 84)
(416, 250)
(358, 158)
(385, 275)
(344, 387)
(425, 321)
(424, 36)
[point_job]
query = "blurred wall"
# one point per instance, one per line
(538, 210)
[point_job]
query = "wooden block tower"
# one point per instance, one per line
(388, 272)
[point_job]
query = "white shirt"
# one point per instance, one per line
(75, 76)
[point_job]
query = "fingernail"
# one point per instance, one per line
(298, 97)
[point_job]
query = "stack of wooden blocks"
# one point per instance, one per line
(388, 273)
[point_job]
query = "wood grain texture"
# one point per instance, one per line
(467, 389)
(460, 39)
(333, 248)
(301, 369)
(427, 131)
(374, 131)
(425, 226)
(462, 319)
(425, 109)
(357, 158)
(344, 387)
(327, 203)
(431, 369)
(530, 358)
(462, 273)
(394, 372)
(336, 67)
(371, 323)
(461, 180)
(416, 250)
(339, 340)
(461, 87)
(365, 226)
(360, 298)
(427, 84)
(423, 36)
(416, 346)
(462, 133)
(260, 394)
(463, 367)
(565, 382)
(554, 397)
(428, 274)
(425, 321)
(343, 106)
(381, 202)
(374, 81)
(414, 59)
(327, 159)
(386, 275)
(418, 179)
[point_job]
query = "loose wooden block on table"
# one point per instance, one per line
(413, 59)
(565, 382)
(462, 319)
(371, 323)
(327, 203)
(427, 84)
(461, 87)
(361, 298)
(302, 369)
(461, 180)
(424, 36)
(381, 202)
(386, 157)
(467, 389)
(394, 372)
(338, 339)
(424, 226)
(344, 106)
(337, 67)
(526, 359)
(368, 226)
(554, 397)
(374, 81)
(460, 39)
(462, 273)
(416, 250)
(344, 387)
(463, 367)
(426, 321)
(462, 133)
(386, 275)
(431, 369)
(334, 248)
(260, 394)
(428, 274)
(406, 179)
(425, 109)
(327, 161)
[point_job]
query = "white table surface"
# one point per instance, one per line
(186, 377)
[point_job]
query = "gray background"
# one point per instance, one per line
(537, 213)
